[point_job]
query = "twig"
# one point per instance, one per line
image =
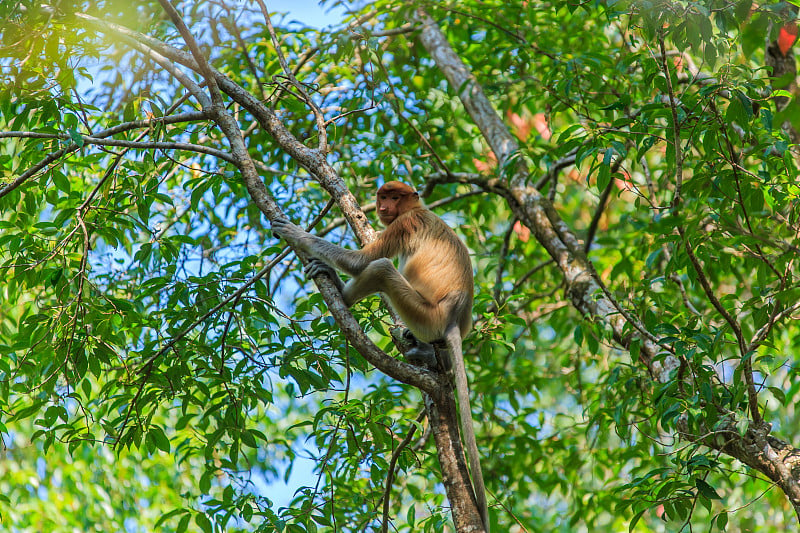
(153, 145)
(684, 296)
(676, 130)
(73, 147)
(762, 333)
(556, 167)
(391, 469)
(601, 206)
(498, 281)
(318, 115)
(752, 394)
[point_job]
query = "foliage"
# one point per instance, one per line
(132, 372)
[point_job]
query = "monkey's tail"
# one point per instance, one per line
(453, 339)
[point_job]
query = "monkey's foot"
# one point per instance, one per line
(417, 352)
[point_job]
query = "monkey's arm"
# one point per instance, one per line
(351, 262)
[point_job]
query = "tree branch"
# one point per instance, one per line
(143, 145)
(676, 130)
(584, 287)
(73, 147)
(752, 394)
(306, 157)
(582, 283)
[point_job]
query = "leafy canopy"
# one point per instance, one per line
(139, 390)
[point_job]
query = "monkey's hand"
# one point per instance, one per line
(316, 267)
(291, 233)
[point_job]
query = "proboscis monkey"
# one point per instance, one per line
(432, 291)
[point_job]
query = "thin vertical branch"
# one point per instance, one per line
(392, 464)
(752, 394)
(318, 115)
(676, 130)
(601, 206)
(502, 262)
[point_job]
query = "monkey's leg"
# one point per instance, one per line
(426, 320)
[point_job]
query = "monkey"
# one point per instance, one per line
(432, 290)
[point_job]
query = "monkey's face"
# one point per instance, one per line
(388, 207)
(394, 199)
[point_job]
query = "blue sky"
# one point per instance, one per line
(307, 11)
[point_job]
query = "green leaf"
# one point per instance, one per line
(167, 516)
(411, 516)
(60, 181)
(742, 9)
(76, 137)
(183, 524)
(247, 512)
(159, 438)
(577, 335)
(722, 520)
(203, 522)
(706, 490)
(635, 520)
(779, 394)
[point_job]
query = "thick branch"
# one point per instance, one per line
(312, 160)
(455, 477)
(776, 459)
(584, 288)
(308, 158)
